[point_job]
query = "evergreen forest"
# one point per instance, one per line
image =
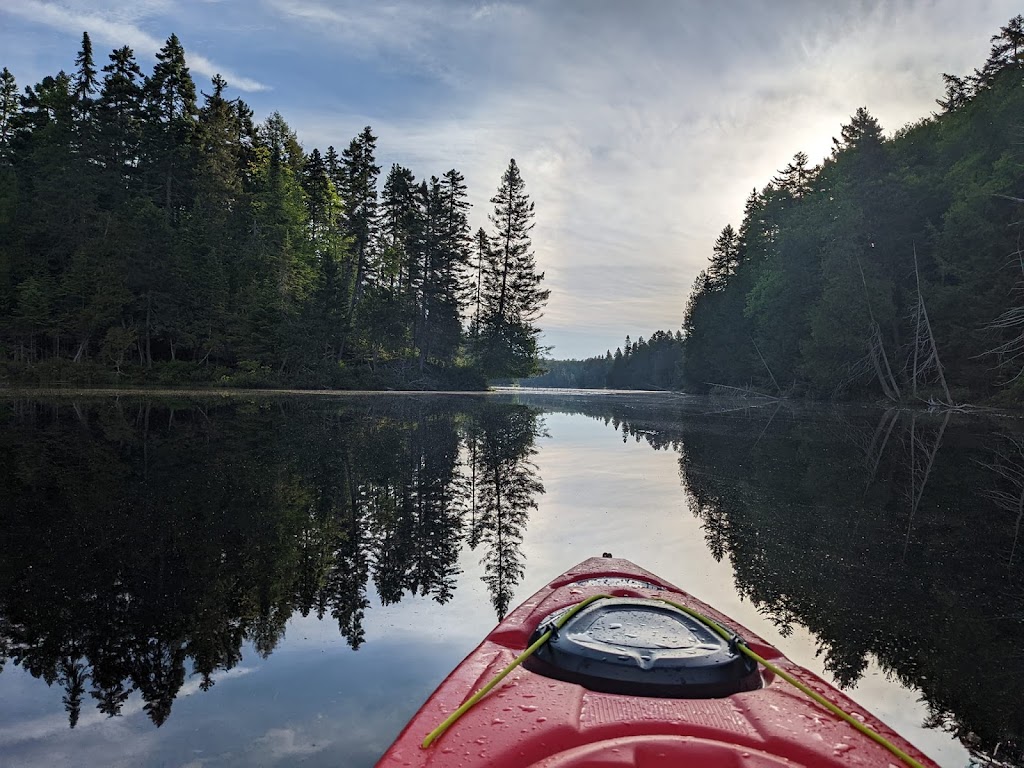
(655, 363)
(153, 232)
(893, 269)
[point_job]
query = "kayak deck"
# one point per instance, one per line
(533, 720)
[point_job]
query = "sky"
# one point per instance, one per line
(640, 127)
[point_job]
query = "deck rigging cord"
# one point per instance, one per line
(732, 637)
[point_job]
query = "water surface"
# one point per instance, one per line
(281, 580)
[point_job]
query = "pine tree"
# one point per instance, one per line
(170, 96)
(512, 295)
(862, 133)
(1007, 51)
(85, 82)
(958, 93)
(482, 247)
(449, 263)
(725, 258)
(796, 178)
(358, 191)
(120, 120)
(9, 106)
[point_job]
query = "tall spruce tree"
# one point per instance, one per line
(512, 297)
(170, 96)
(9, 105)
(120, 122)
(358, 190)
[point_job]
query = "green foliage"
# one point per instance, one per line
(650, 365)
(511, 297)
(825, 286)
(143, 221)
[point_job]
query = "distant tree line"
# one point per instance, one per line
(652, 364)
(892, 269)
(145, 224)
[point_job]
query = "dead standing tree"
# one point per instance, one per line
(876, 348)
(922, 365)
(1013, 318)
(926, 365)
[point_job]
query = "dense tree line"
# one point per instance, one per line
(162, 538)
(655, 363)
(144, 223)
(890, 269)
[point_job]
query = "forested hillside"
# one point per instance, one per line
(153, 232)
(892, 269)
(652, 364)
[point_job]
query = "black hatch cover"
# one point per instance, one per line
(642, 647)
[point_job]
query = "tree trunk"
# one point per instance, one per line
(149, 313)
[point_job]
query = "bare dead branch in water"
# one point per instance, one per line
(746, 391)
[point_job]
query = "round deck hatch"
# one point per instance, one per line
(642, 647)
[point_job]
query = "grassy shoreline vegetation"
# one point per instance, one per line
(152, 234)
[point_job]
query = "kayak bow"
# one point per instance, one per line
(611, 666)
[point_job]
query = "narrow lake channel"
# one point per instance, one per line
(282, 580)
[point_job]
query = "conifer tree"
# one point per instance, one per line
(85, 81)
(482, 249)
(358, 191)
(725, 258)
(170, 96)
(120, 121)
(9, 105)
(795, 179)
(512, 297)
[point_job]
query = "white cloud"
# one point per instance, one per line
(640, 130)
(50, 726)
(119, 27)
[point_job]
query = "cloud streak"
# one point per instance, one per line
(117, 30)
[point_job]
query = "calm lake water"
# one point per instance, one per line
(242, 580)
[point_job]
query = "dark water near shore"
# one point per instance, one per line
(283, 580)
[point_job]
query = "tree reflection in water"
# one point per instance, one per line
(144, 542)
(891, 536)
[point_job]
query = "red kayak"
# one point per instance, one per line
(644, 675)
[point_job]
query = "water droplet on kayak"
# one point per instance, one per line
(615, 625)
(840, 748)
(529, 695)
(542, 719)
(528, 708)
(497, 721)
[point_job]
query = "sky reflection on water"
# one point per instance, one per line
(313, 700)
